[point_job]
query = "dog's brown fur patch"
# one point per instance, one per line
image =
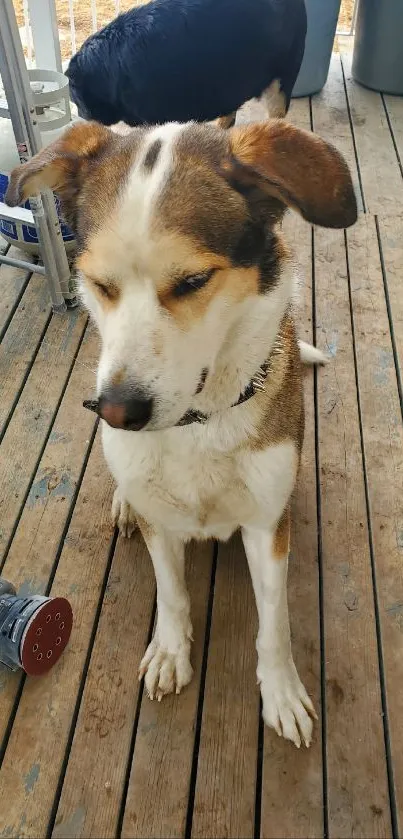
(119, 376)
(281, 541)
(235, 283)
(281, 406)
(87, 167)
(146, 529)
(107, 291)
(228, 121)
(295, 166)
(195, 194)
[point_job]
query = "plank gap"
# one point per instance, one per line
(16, 303)
(9, 728)
(74, 717)
(134, 731)
(72, 507)
(48, 587)
(392, 133)
(259, 772)
(199, 714)
(45, 441)
(25, 377)
(390, 316)
(320, 555)
(350, 118)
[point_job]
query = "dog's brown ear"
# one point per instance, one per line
(294, 167)
(57, 165)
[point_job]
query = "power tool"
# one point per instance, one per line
(34, 629)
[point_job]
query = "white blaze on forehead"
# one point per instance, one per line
(124, 247)
(145, 183)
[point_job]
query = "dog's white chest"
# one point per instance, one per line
(175, 480)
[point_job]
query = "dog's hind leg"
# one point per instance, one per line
(226, 122)
(274, 100)
(166, 665)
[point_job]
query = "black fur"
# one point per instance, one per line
(178, 60)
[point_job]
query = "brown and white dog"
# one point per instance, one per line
(186, 273)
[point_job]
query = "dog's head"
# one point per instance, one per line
(92, 83)
(178, 244)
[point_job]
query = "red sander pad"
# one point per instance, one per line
(46, 636)
(34, 630)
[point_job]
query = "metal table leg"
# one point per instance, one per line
(22, 114)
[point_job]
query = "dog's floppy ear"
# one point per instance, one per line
(59, 165)
(294, 167)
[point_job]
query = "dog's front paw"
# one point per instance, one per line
(165, 672)
(123, 515)
(286, 705)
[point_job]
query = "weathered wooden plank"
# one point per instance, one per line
(12, 283)
(36, 749)
(394, 107)
(94, 782)
(40, 529)
(299, 113)
(158, 792)
(391, 236)
(283, 767)
(225, 787)
(331, 120)
(357, 789)
(380, 173)
(26, 433)
(20, 342)
(383, 444)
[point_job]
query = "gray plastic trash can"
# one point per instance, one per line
(322, 22)
(378, 45)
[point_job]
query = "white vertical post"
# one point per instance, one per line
(27, 32)
(94, 15)
(72, 28)
(45, 34)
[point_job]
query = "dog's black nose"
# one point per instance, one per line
(131, 412)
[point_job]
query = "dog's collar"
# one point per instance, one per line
(256, 384)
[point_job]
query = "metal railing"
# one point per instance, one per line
(94, 20)
(71, 39)
(42, 215)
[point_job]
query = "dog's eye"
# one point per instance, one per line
(110, 292)
(187, 285)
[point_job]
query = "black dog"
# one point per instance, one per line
(180, 60)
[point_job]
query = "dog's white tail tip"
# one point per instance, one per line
(311, 355)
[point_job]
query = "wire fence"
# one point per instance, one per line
(77, 19)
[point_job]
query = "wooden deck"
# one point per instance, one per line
(84, 752)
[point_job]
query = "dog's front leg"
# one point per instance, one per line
(166, 664)
(286, 704)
